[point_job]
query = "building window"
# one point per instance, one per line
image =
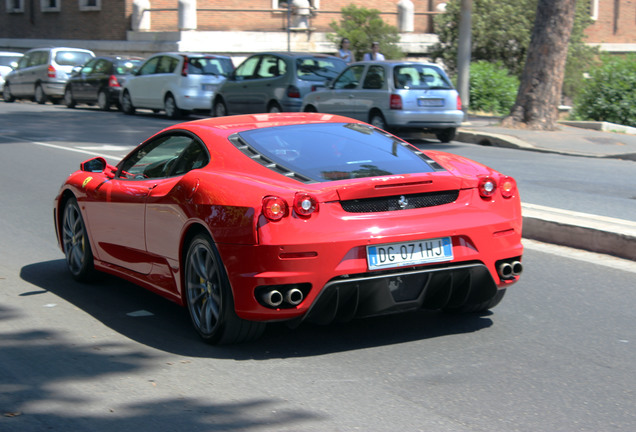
(15, 6)
(282, 4)
(594, 9)
(90, 5)
(51, 5)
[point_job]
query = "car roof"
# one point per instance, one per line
(10, 53)
(60, 49)
(397, 62)
(297, 54)
(189, 54)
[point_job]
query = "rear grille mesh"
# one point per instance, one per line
(399, 202)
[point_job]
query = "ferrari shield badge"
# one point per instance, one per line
(86, 180)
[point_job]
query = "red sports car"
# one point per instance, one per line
(274, 217)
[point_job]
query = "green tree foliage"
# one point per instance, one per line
(492, 88)
(501, 31)
(610, 92)
(363, 26)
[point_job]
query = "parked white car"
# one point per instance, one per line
(176, 83)
(393, 95)
(8, 62)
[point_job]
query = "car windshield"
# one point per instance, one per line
(318, 69)
(419, 76)
(72, 58)
(335, 151)
(210, 66)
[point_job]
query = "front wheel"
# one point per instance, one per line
(6, 93)
(219, 109)
(77, 248)
(209, 297)
(68, 98)
(446, 135)
(126, 104)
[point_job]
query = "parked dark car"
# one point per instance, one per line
(100, 81)
(274, 82)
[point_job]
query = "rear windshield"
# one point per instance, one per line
(335, 151)
(72, 58)
(210, 66)
(420, 77)
(123, 67)
(7, 60)
(319, 69)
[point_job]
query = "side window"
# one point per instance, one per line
(374, 79)
(149, 67)
(24, 61)
(271, 66)
(162, 157)
(88, 67)
(166, 65)
(247, 68)
(101, 67)
(349, 78)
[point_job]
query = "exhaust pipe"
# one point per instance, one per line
(517, 268)
(273, 298)
(294, 296)
(505, 270)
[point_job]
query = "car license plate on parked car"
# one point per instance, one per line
(409, 253)
(423, 102)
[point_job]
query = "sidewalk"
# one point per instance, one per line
(586, 139)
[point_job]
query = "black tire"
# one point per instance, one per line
(446, 135)
(377, 119)
(102, 101)
(170, 107)
(127, 106)
(68, 98)
(6, 93)
(40, 96)
(274, 107)
(209, 297)
(310, 108)
(77, 248)
(479, 307)
(219, 109)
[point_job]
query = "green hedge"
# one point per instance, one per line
(610, 92)
(492, 88)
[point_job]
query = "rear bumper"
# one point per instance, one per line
(424, 120)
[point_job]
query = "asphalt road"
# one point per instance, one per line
(557, 354)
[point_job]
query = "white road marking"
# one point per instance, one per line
(73, 149)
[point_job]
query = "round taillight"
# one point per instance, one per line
(274, 208)
(305, 204)
(508, 187)
(487, 187)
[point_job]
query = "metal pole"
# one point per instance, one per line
(463, 53)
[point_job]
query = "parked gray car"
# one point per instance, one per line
(274, 82)
(393, 95)
(8, 62)
(42, 74)
(177, 83)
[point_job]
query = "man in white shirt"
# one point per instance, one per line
(374, 54)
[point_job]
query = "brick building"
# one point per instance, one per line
(242, 27)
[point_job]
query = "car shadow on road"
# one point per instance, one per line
(153, 321)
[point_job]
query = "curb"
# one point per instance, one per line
(580, 230)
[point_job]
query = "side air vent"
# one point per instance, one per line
(399, 202)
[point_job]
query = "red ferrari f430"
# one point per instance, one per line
(293, 217)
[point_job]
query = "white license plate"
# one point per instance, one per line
(430, 102)
(409, 253)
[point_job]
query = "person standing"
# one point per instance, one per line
(374, 54)
(344, 52)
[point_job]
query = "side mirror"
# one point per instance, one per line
(13, 65)
(98, 165)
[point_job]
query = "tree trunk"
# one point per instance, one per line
(539, 94)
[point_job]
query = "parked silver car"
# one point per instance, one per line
(274, 82)
(176, 83)
(42, 73)
(8, 62)
(393, 95)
